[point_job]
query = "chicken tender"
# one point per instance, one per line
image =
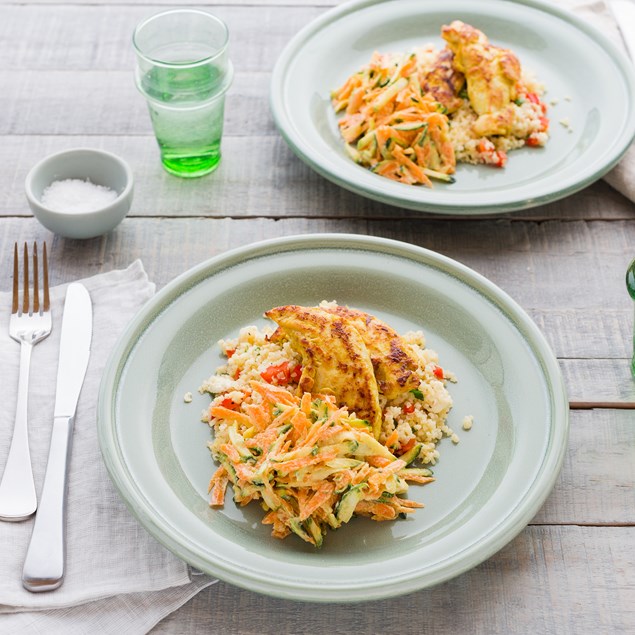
(444, 82)
(335, 359)
(492, 75)
(394, 365)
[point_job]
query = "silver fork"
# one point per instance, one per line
(29, 324)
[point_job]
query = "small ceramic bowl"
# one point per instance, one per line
(99, 167)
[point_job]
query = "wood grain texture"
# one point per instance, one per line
(256, 177)
(209, 5)
(108, 103)
(547, 580)
(595, 486)
(98, 37)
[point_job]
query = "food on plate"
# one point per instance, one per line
(492, 75)
(412, 117)
(321, 418)
(334, 358)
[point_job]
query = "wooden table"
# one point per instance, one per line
(66, 77)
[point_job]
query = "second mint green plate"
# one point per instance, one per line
(592, 81)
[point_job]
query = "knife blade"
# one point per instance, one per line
(45, 559)
(624, 13)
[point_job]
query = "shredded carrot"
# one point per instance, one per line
(378, 461)
(220, 412)
(391, 126)
(306, 463)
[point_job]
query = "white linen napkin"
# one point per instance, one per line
(118, 578)
(622, 176)
(598, 12)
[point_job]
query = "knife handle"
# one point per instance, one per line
(44, 564)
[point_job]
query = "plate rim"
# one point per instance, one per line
(515, 519)
(510, 204)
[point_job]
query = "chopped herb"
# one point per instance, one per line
(417, 393)
(519, 101)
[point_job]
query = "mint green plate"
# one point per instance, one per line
(591, 79)
(488, 487)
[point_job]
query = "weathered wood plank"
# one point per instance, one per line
(595, 486)
(324, 4)
(210, 6)
(598, 380)
(258, 176)
(98, 36)
(48, 102)
(547, 580)
(601, 333)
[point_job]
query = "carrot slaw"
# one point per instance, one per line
(391, 126)
(311, 464)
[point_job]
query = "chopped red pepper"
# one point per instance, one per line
(296, 373)
(532, 142)
(533, 98)
(438, 372)
(229, 403)
(282, 374)
(237, 373)
(544, 124)
(490, 154)
(230, 352)
(500, 159)
(408, 407)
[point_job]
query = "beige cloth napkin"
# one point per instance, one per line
(598, 12)
(118, 578)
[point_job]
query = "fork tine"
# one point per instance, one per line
(25, 298)
(45, 276)
(36, 289)
(16, 284)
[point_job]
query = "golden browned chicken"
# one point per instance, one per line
(394, 366)
(335, 359)
(491, 73)
(444, 82)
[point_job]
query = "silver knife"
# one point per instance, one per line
(624, 12)
(44, 565)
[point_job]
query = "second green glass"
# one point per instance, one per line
(184, 72)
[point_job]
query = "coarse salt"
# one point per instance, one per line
(76, 196)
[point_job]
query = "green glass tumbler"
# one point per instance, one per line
(630, 285)
(184, 71)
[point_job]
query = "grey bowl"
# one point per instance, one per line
(101, 168)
